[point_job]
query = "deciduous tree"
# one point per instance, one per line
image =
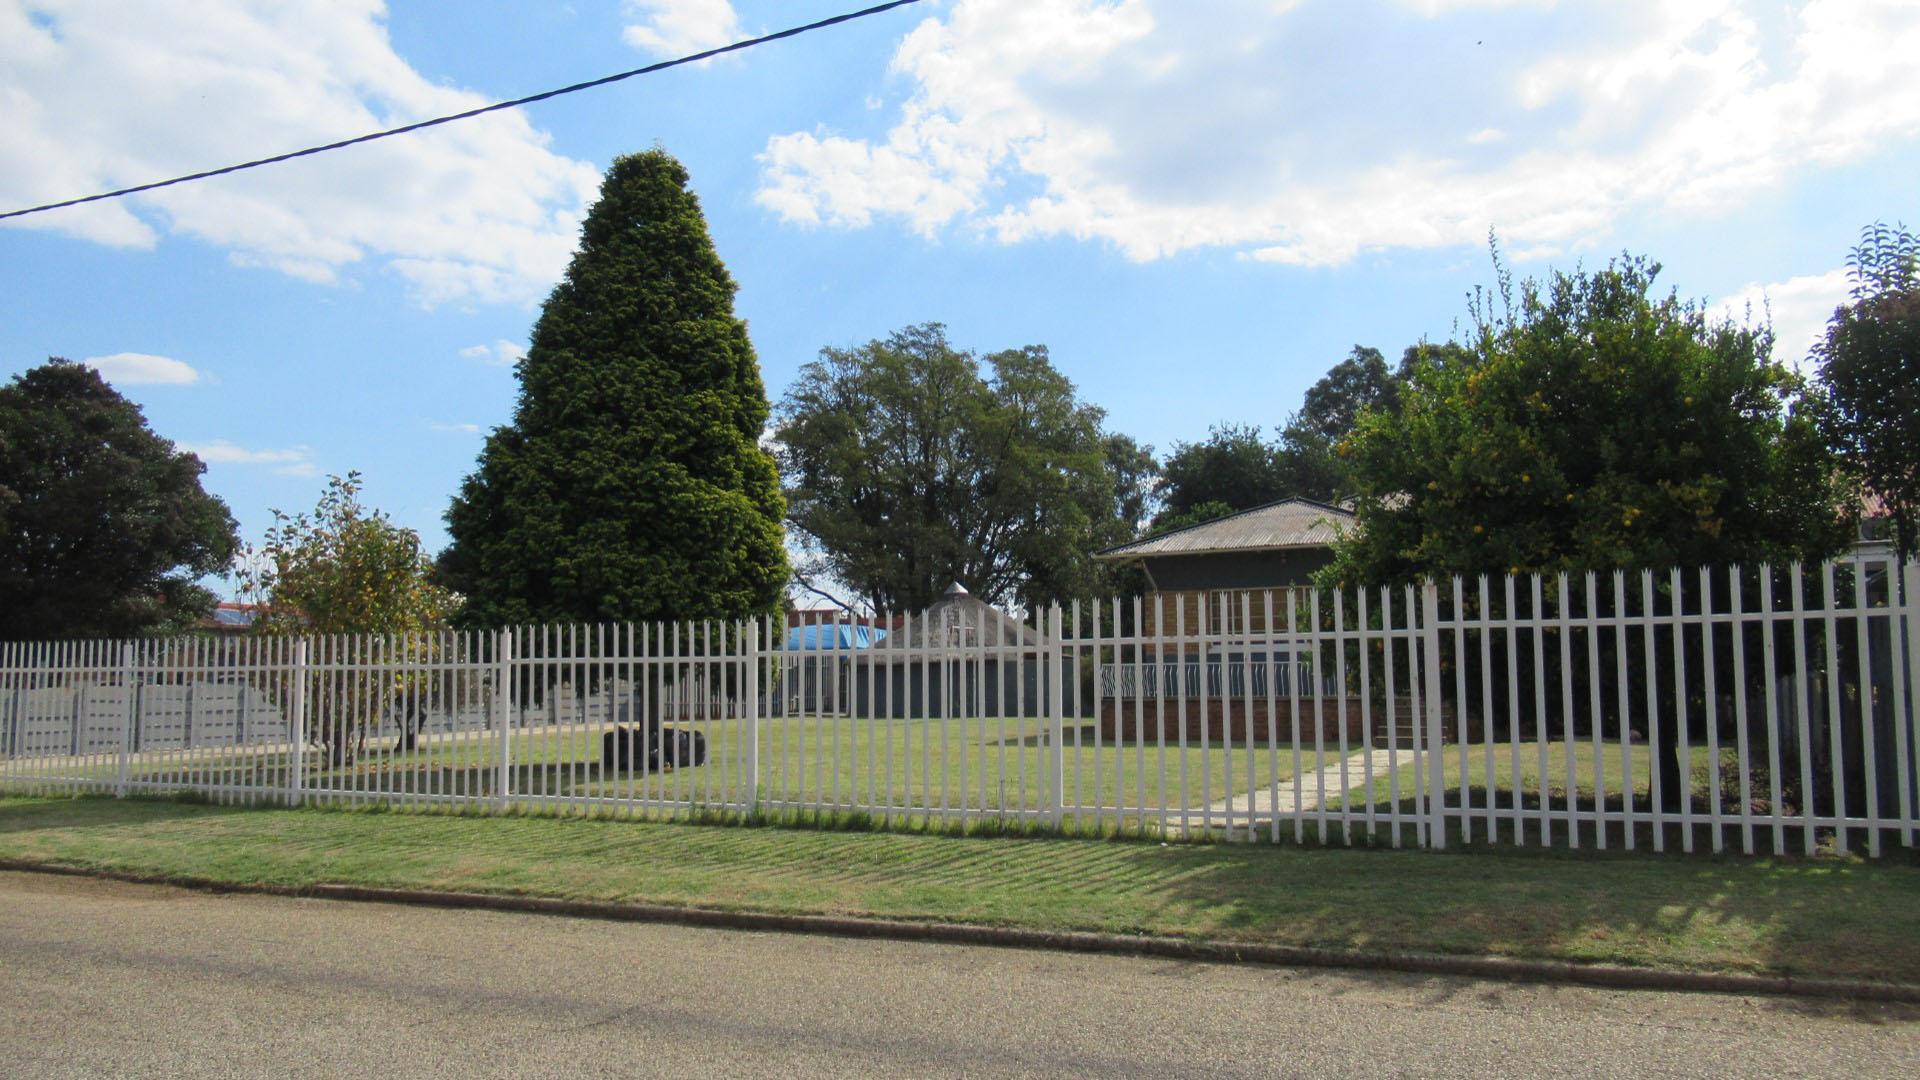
(1597, 425)
(1233, 467)
(1870, 362)
(344, 569)
(911, 465)
(1308, 461)
(104, 526)
(347, 570)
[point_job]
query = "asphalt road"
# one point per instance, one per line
(105, 979)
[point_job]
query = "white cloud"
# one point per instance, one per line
(100, 95)
(671, 28)
(453, 429)
(1799, 308)
(1306, 133)
(502, 353)
(142, 369)
(293, 461)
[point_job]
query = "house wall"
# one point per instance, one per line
(950, 688)
(874, 686)
(1186, 588)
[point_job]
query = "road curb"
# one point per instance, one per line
(1484, 967)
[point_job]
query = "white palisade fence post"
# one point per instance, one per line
(503, 716)
(1909, 725)
(1056, 710)
(297, 726)
(1436, 764)
(131, 717)
(752, 795)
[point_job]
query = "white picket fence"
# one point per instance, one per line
(1754, 710)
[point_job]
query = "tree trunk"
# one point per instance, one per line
(1675, 778)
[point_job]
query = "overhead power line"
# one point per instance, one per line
(794, 31)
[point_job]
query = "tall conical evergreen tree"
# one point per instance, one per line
(631, 483)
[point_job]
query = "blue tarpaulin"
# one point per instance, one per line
(832, 636)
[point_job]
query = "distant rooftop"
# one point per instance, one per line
(832, 636)
(1277, 526)
(228, 615)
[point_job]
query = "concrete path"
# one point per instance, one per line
(109, 979)
(1305, 797)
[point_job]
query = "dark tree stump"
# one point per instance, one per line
(685, 749)
(630, 749)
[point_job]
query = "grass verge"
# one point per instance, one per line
(1828, 918)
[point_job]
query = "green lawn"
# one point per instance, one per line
(998, 763)
(990, 763)
(1558, 755)
(1476, 783)
(1826, 917)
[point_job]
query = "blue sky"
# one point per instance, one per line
(1197, 207)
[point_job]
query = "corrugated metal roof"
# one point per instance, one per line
(1289, 523)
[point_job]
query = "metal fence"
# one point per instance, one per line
(1762, 709)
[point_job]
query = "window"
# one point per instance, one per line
(1234, 613)
(1227, 612)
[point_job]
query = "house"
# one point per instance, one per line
(1873, 538)
(961, 657)
(230, 617)
(817, 656)
(960, 618)
(1218, 603)
(1215, 578)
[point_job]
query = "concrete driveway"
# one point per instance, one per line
(104, 979)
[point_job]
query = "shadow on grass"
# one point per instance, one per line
(403, 779)
(39, 813)
(1824, 916)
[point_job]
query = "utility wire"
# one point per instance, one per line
(749, 43)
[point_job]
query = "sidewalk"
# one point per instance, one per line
(1288, 798)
